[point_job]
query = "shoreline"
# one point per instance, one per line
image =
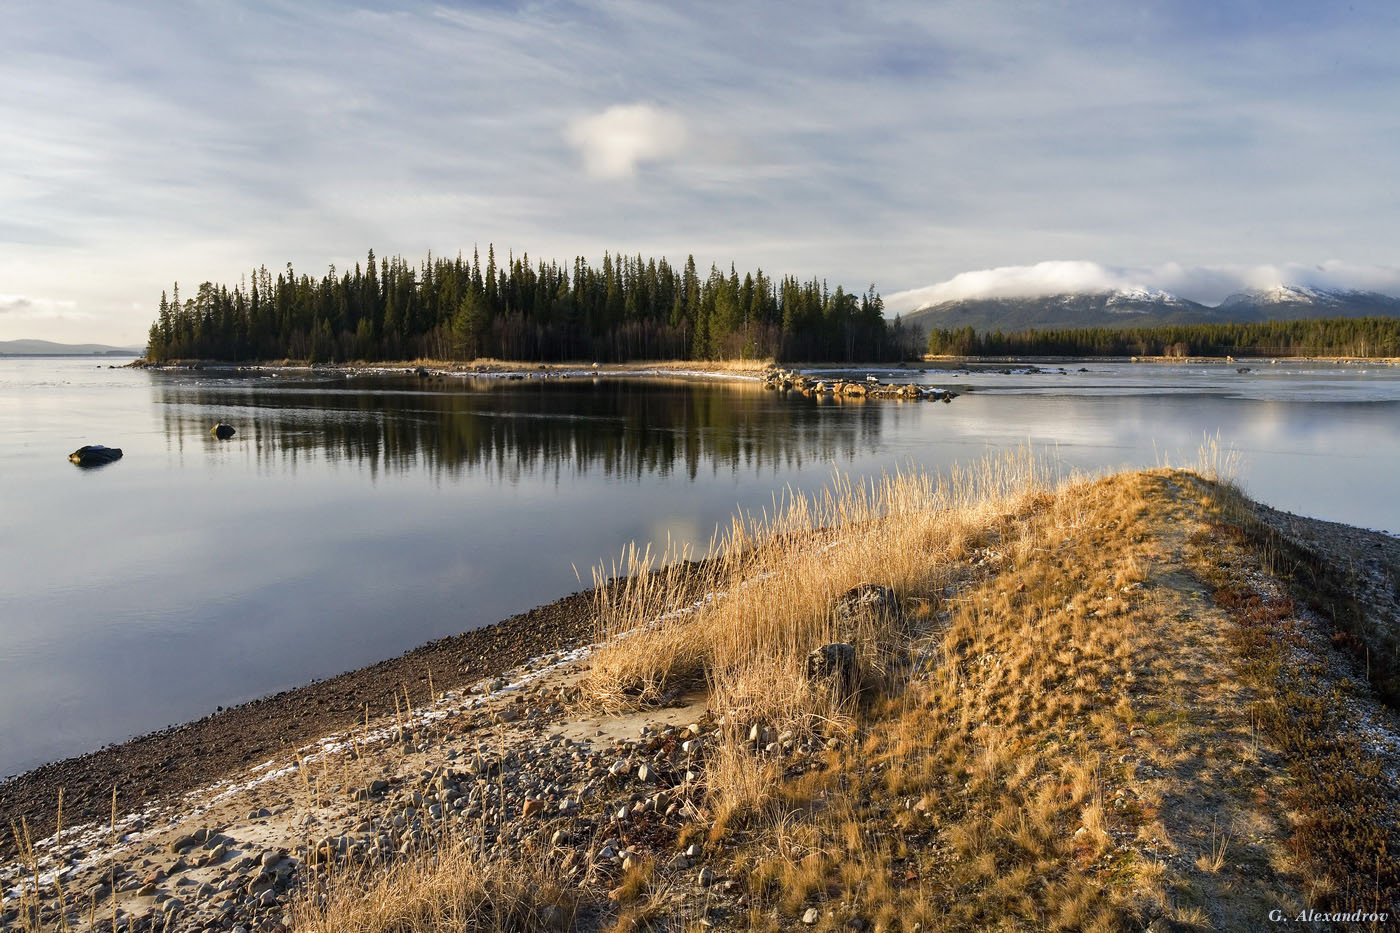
(502, 755)
(163, 764)
(738, 370)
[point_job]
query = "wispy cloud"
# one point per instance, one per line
(1207, 284)
(901, 142)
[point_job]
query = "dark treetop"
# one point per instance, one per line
(627, 309)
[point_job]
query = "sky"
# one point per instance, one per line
(934, 149)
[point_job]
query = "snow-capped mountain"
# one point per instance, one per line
(1294, 302)
(1141, 307)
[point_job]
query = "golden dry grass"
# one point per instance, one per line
(447, 890)
(1064, 730)
(1084, 727)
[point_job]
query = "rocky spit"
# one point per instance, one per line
(511, 766)
(786, 380)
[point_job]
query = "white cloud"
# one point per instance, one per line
(615, 141)
(22, 307)
(1206, 284)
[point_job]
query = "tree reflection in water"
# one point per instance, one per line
(509, 430)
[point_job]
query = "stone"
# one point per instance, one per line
(533, 807)
(811, 916)
(866, 600)
(222, 431)
(706, 877)
(95, 455)
(833, 664)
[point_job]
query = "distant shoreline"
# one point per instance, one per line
(740, 369)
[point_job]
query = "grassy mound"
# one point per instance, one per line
(1097, 706)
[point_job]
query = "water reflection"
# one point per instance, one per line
(625, 428)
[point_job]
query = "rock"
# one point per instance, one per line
(834, 665)
(95, 455)
(184, 842)
(866, 600)
(705, 878)
(222, 431)
(811, 916)
(533, 808)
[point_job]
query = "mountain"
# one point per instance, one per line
(1297, 302)
(1143, 308)
(49, 348)
(1129, 308)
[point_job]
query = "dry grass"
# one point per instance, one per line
(1081, 719)
(1072, 725)
(445, 891)
(771, 581)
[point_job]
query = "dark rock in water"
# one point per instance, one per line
(834, 664)
(223, 431)
(95, 455)
(421, 372)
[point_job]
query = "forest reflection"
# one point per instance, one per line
(509, 430)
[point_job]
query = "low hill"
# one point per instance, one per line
(49, 348)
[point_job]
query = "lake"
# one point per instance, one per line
(353, 518)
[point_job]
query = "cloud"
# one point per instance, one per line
(1208, 284)
(615, 141)
(22, 307)
(898, 143)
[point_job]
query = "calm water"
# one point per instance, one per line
(352, 519)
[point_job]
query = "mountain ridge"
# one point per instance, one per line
(1143, 308)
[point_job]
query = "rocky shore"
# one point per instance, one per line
(481, 741)
(171, 762)
(504, 764)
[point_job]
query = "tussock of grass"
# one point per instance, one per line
(447, 890)
(771, 583)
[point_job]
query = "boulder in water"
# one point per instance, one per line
(222, 431)
(95, 455)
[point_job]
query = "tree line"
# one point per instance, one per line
(459, 309)
(1353, 337)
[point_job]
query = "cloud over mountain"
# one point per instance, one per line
(1206, 284)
